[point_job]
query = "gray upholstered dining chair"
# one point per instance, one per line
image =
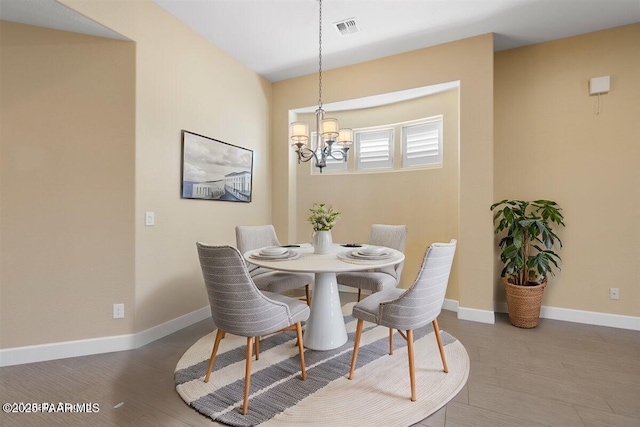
(250, 237)
(240, 308)
(412, 308)
(391, 236)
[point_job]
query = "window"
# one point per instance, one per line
(422, 143)
(333, 165)
(374, 149)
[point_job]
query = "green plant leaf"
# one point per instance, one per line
(493, 206)
(527, 227)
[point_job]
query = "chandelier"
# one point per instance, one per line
(331, 141)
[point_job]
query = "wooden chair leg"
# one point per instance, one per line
(301, 350)
(247, 376)
(307, 291)
(355, 347)
(412, 370)
(390, 340)
(257, 346)
(436, 329)
(359, 294)
(219, 336)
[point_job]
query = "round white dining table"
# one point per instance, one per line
(325, 328)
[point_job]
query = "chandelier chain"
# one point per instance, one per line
(320, 57)
(324, 148)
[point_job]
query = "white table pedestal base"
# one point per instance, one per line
(325, 328)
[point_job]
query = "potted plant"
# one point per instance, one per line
(322, 219)
(527, 253)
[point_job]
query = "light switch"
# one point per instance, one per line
(149, 218)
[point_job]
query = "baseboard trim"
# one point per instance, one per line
(476, 315)
(150, 335)
(582, 316)
(63, 350)
(546, 312)
(472, 314)
(591, 318)
(450, 305)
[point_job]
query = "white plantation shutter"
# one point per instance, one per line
(422, 144)
(374, 149)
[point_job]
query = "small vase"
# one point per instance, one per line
(322, 242)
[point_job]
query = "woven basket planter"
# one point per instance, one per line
(524, 303)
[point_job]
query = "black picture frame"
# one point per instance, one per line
(215, 170)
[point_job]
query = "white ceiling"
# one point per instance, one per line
(279, 38)
(50, 14)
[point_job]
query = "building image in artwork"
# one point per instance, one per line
(214, 170)
(208, 190)
(239, 185)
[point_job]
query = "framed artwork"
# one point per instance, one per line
(215, 170)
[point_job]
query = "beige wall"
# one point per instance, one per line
(366, 198)
(67, 185)
(74, 105)
(469, 61)
(183, 82)
(551, 143)
(173, 79)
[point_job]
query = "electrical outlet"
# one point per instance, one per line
(614, 293)
(118, 311)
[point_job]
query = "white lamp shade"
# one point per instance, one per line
(299, 132)
(345, 136)
(329, 128)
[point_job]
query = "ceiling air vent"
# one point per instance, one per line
(346, 27)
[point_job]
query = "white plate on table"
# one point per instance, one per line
(287, 255)
(373, 257)
(273, 251)
(372, 250)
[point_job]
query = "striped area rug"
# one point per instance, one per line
(379, 394)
